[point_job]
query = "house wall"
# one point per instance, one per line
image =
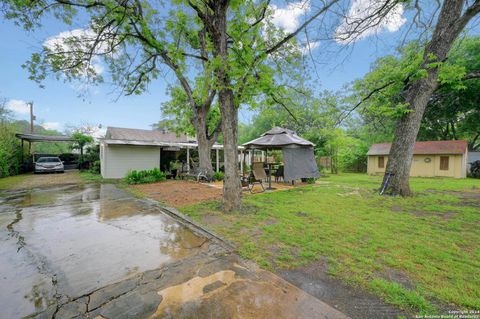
(118, 160)
(457, 166)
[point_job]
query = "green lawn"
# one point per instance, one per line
(431, 241)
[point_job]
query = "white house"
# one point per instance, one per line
(126, 149)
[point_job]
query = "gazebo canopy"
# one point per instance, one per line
(278, 138)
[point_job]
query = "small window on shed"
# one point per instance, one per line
(444, 163)
(381, 162)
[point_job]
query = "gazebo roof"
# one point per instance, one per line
(277, 138)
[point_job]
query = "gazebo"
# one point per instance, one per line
(298, 154)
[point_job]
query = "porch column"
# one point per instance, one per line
(218, 160)
(242, 159)
(160, 159)
(188, 160)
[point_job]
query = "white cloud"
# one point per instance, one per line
(77, 40)
(51, 125)
(288, 18)
(309, 47)
(18, 106)
(356, 20)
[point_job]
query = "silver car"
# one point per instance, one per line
(48, 165)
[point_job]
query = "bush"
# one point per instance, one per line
(218, 176)
(10, 151)
(94, 167)
(475, 169)
(146, 176)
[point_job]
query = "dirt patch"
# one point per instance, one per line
(353, 301)
(443, 215)
(397, 276)
(270, 221)
(213, 220)
(46, 180)
(469, 198)
(180, 193)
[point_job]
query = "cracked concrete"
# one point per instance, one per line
(93, 251)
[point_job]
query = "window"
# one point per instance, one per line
(381, 162)
(444, 163)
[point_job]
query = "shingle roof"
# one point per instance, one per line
(426, 148)
(130, 134)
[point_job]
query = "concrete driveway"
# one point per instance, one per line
(94, 251)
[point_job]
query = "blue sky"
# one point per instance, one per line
(58, 103)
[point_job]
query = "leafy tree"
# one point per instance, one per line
(453, 111)
(80, 141)
(419, 87)
(135, 38)
(10, 148)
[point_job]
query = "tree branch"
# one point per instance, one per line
(300, 28)
(345, 114)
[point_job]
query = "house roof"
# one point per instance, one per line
(426, 148)
(277, 138)
(156, 136)
(130, 136)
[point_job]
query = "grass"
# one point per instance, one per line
(12, 181)
(430, 241)
(90, 177)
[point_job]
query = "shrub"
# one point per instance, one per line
(146, 176)
(95, 167)
(10, 151)
(218, 176)
(475, 169)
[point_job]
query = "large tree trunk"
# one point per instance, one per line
(204, 143)
(450, 24)
(232, 189)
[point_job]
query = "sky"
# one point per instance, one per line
(59, 105)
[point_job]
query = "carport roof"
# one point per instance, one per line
(43, 138)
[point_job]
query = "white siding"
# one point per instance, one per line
(117, 160)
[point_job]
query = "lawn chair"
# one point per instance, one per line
(257, 176)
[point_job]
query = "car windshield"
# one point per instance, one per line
(48, 160)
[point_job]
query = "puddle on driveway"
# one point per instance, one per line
(67, 241)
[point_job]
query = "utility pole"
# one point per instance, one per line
(32, 117)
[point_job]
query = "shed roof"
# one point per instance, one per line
(425, 148)
(278, 137)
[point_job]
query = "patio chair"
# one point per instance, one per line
(198, 174)
(257, 176)
(279, 174)
(183, 173)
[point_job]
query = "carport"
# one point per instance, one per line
(32, 138)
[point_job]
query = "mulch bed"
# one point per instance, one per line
(177, 193)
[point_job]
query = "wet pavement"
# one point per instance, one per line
(94, 251)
